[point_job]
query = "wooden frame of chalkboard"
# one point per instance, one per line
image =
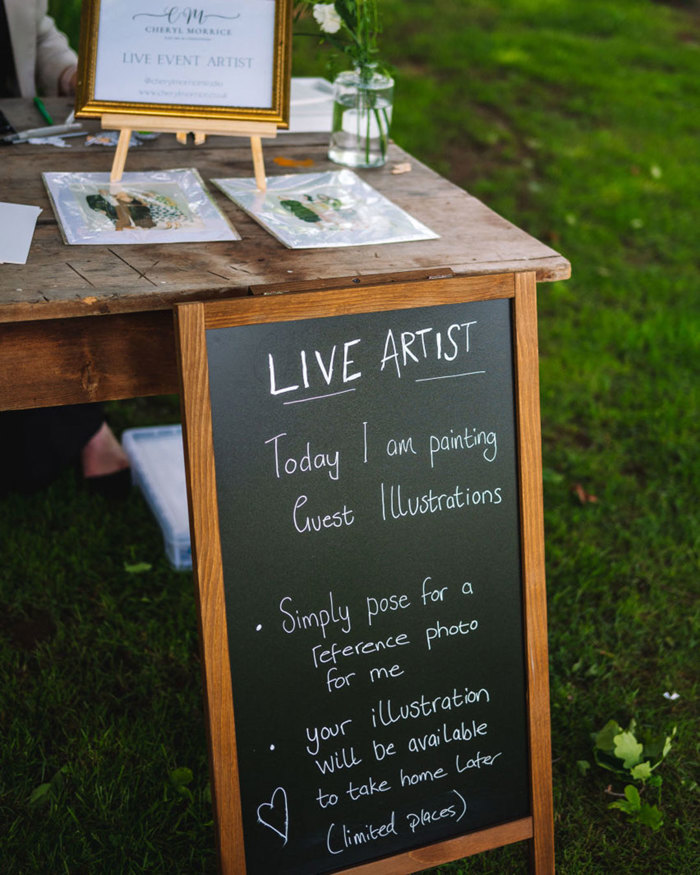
(239, 556)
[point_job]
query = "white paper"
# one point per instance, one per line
(311, 105)
(221, 54)
(314, 210)
(166, 206)
(306, 90)
(17, 223)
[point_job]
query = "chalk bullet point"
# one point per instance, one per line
(258, 627)
(272, 747)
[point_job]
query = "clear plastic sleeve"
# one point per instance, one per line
(167, 206)
(314, 210)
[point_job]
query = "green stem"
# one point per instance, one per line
(367, 136)
(384, 133)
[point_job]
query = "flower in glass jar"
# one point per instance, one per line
(327, 17)
(351, 26)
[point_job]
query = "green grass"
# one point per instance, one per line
(579, 122)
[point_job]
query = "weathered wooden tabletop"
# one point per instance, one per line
(61, 281)
(123, 345)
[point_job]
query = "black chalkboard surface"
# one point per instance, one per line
(368, 501)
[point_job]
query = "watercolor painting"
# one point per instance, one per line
(141, 207)
(170, 206)
(313, 210)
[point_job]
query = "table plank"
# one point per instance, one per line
(72, 361)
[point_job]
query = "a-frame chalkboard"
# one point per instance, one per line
(364, 474)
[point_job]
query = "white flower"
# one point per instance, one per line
(327, 17)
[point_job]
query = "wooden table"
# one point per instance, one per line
(92, 323)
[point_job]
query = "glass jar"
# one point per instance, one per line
(362, 104)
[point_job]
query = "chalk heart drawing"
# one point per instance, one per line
(275, 813)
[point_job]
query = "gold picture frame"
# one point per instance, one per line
(150, 58)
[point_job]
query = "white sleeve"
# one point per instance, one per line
(54, 56)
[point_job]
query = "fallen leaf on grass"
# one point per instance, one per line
(583, 496)
(293, 162)
(181, 777)
(401, 168)
(137, 567)
(40, 795)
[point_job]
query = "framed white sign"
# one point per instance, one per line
(225, 59)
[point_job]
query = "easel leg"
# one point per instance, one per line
(533, 566)
(120, 155)
(258, 163)
(199, 137)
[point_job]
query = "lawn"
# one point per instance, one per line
(580, 122)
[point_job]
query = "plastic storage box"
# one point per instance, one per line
(158, 469)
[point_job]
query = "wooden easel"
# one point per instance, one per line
(126, 123)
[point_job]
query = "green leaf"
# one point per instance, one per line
(650, 816)
(633, 796)
(642, 812)
(181, 777)
(624, 805)
(583, 766)
(607, 761)
(641, 772)
(40, 795)
(667, 745)
(137, 568)
(657, 747)
(628, 749)
(347, 10)
(604, 740)
(300, 211)
(631, 804)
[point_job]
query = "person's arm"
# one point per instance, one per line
(56, 62)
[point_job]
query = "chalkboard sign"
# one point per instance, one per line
(368, 503)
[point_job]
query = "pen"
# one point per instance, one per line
(53, 131)
(39, 103)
